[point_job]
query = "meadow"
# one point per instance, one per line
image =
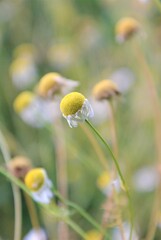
(80, 119)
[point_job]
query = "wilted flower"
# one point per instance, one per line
(39, 184)
(104, 90)
(19, 166)
(36, 234)
(36, 111)
(125, 28)
(53, 83)
(93, 235)
(106, 184)
(23, 72)
(75, 108)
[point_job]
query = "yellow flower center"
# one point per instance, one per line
(126, 27)
(103, 180)
(93, 235)
(35, 179)
(105, 89)
(47, 83)
(71, 103)
(22, 101)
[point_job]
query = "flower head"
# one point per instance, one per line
(125, 28)
(38, 183)
(23, 72)
(106, 184)
(75, 108)
(53, 83)
(36, 111)
(22, 101)
(93, 235)
(19, 166)
(25, 50)
(105, 89)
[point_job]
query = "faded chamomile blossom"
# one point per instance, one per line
(53, 83)
(34, 110)
(36, 234)
(75, 108)
(39, 184)
(105, 90)
(93, 235)
(23, 72)
(106, 184)
(19, 166)
(126, 28)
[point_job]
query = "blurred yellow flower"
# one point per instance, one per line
(22, 101)
(103, 180)
(25, 50)
(105, 89)
(53, 83)
(75, 108)
(94, 235)
(38, 183)
(125, 28)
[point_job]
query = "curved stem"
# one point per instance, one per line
(157, 120)
(61, 171)
(96, 147)
(72, 224)
(16, 191)
(81, 212)
(119, 172)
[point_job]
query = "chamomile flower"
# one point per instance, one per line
(36, 234)
(39, 184)
(53, 83)
(35, 111)
(75, 108)
(105, 90)
(106, 184)
(23, 72)
(125, 28)
(93, 235)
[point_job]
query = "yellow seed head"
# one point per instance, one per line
(48, 83)
(71, 103)
(19, 166)
(94, 235)
(105, 89)
(35, 179)
(103, 180)
(22, 101)
(126, 27)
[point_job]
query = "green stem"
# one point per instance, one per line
(76, 228)
(82, 213)
(73, 225)
(15, 189)
(119, 172)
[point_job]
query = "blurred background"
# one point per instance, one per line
(77, 39)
